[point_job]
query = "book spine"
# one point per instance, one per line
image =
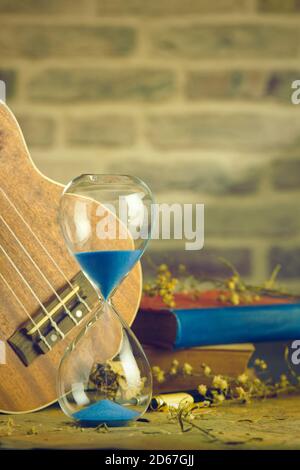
(245, 324)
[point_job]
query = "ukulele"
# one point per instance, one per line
(44, 297)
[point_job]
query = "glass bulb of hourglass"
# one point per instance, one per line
(104, 376)
(107, 268)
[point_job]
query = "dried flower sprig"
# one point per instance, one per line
(233, 290)
(242, 389)
(176, 369)
(163, 285)
(185, 416)
(110, 379)
(236, 291)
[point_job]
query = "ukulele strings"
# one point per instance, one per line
(26, 311)
(53, 323)
(44, 249)
(39, 270)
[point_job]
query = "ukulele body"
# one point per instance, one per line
(25, 388)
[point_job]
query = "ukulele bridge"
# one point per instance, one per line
(52, 323)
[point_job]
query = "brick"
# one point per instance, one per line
(196, 41)
(245, 131)
(288, 258)
(241, 84)
(43, 7)
(38, 130)
(9, 77)
(203, 262)
(285, 174)
(65, 41)
(109, 131)
(168, 7)
(278, 6)
(255, 220)
(84, 84)
(208, 177)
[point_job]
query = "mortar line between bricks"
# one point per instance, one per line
(240, 240)
(249, 201)
(219, 243)
(214, 242)
(245, 242)
(227, 19)
(218, 156)
(23, 78)
(140, 126)
(92, 8)
(65, 20)
(259, 261)
(60, 134)
(83, 19)
(253, 6)
(153, 61)
(176, 108)
(153, 157)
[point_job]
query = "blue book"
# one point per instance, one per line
(187, 328)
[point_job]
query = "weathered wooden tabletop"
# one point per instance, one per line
(270, 424)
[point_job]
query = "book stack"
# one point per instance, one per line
(201, 330)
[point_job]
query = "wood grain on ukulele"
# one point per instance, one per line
(44, 298)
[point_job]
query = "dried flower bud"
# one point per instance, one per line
(220, 383)
(241, 393)
(207, 371)
(243, 378)
(202, 389)
(219, 397)
(187, 368)
(173, 371)
(234, 298)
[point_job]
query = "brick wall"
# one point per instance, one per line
(193, 96)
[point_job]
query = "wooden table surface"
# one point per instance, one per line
(269, 424)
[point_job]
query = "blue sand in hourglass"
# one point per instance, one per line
(107, 268)
(105, 411)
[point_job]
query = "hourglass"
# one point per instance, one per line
(104, 376)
